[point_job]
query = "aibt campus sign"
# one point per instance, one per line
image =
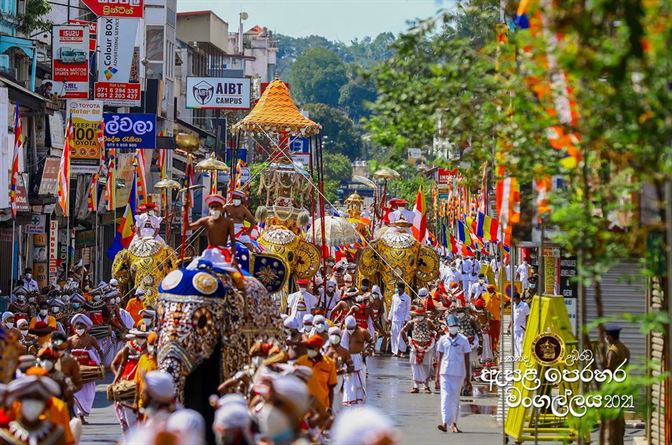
(218, 93)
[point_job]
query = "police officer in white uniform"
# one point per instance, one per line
(400, 313)
(520, 313)
(453, 349)
(466, 269)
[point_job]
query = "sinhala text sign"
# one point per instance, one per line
(117, 59)
(126, 131)
(116, 8)
(218, 93)
(70, 61)
(86, 116)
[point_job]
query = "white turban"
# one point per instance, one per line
(44, 387)
(331, 283)
(189, 425)
(375, 290)
(231, 416)
(160, 385)
(359, 426)
(350, 321)
(6, 315)
(335, 330)
(83, 319)
(294, 390)
(423, 292)
(319, 319)
(291, 323)
(307, 319)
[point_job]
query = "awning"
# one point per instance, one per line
(21, 94)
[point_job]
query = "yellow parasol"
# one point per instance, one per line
(338, 231)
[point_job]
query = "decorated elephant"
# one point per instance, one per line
(396, 255)
(209, 317)
(143, 265)
(270, 269)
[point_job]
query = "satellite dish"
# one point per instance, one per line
(243, 15)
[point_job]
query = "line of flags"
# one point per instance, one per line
(124, 234)
(18, 145)
(64, 172)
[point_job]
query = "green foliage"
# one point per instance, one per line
(337, 169)
(357, 95)
(33, 20)
(338, 130)
(317, 76)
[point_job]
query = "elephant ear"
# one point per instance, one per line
(271, 270)
(428, 265)
(120, 264)
(367, 261)
(307, 260)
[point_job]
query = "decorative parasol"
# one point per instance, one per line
(338, 231)
(386, 173)
(211, 164)
(366, 181)
(276, 112)
(167, 184)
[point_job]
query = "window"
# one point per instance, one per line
(154, 41)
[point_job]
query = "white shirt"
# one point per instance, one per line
(523, 271)
(401, 307)
(301, 303)
(493, 266)
(329, 301)
(466, 268)
(453, 350)
(520, 314)
(30, 285)
(452, 275)
(475, 269)
(477, 289)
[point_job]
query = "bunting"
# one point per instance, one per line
(18, 146)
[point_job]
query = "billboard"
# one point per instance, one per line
(116, 8)
(218, 93)
(86, 116)
(70, 59)
(93, 31)
(130, 131)
(117, 84)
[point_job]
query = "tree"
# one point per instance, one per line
(338, 130)
(337, 169)
(317, 76)
(357, 95)
(33, 20)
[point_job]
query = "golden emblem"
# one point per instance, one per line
(548, 348)
(308, 258)
(204, 283)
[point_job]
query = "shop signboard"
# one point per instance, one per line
(37, 225)
(53, 251)
(86, 117)
(117, 83)
(129, 131)
(224, 93)
(21, 194)
(49, 183)
(444, 175)
(93, 31)
(568, 287)
(70, 61)
(116, 8)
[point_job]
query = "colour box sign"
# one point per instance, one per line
(117, 61)
(218, 93)
(128, 131)
(70, 45)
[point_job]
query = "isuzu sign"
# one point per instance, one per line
(116, 8)
(218, 93)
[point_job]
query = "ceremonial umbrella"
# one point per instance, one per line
(167, 185)
(386, 173)
(338, 231)
(366, 181)
(213, 166)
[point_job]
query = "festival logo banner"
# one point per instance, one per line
(84, 146)
(218, 93)
(70, 61)
(128, 132)
(118, 84)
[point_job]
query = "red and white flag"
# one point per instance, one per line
(18, 145)
(507, 199)
(64, 172)
(419, 217)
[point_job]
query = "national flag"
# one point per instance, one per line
(419, 217)
(141, 178)
(463, 234)
(124, 234)
(64, 172)
(18, 146)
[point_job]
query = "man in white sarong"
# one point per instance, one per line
(300, 303)
(86, 350)
(355, 339)
(421, 344)
(400, 313)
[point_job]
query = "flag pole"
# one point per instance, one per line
(11, 278)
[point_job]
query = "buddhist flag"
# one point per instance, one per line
(18, 146)
(487, 227)
(419, 217)
(64, 172)
(507, 199)
(110, 186)
(124, 234)
(463, 234)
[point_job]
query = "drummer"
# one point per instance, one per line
(87, 351)
(239, 215)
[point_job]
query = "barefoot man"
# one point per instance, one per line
(218, 227)
(355, 340)
(239, 214)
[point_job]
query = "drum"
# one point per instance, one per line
(91, 373)
(123, 391)
(101, 332)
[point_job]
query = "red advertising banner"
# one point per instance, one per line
(116, 8)
(118, 94)
(70, 61)
(444, 175)
(93, 31)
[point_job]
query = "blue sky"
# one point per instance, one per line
(335, 19)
